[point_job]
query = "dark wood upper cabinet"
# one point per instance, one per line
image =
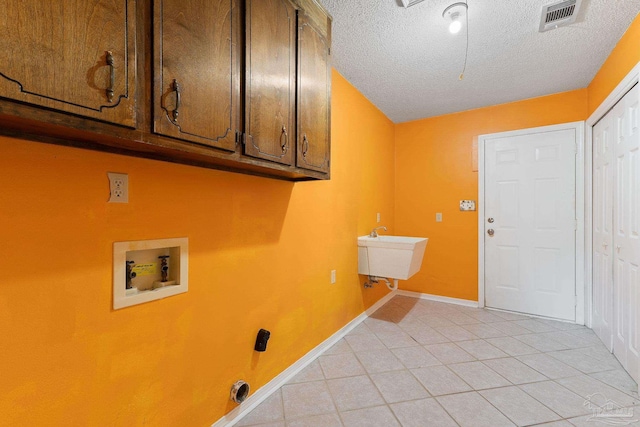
(74, 56)
(187, 81)
(270, 83)
(196, 70)
(314, 94)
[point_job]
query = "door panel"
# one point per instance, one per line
(508, 212)
(626, 242)
(602, 319)
(545, 264)
(509, 274)
(270, 80)
(530, 194)
(313, 97)
(73, 56)
(197, 82)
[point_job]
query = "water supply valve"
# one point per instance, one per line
(130, 274)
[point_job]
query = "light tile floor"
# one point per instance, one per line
(423, 363)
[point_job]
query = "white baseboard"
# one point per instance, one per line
(272, 386)
(535, 316)
(438, 298)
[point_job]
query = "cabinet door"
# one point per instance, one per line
(314, 94)
(270, 80)
(73, 56)
(196, 84)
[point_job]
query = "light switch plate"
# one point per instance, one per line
(467, 205)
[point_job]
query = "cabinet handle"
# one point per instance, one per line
(305, 145)
(285, 144)
(176, 89)
(112, 76)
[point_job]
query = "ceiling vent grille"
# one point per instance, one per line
(559, 14)
(409, 3)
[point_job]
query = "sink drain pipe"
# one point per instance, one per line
(373, 280)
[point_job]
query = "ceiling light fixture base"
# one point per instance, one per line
(459, 7)
(455, 12)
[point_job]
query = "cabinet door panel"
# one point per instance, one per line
(197, 81)
(270, 80)
(314, 92)
(74, 56)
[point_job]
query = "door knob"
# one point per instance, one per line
(490, 232)
(490, 220)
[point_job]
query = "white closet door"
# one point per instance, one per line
(616, 231)
(626, 235)
(603, 230)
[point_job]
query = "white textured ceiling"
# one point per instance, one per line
(407, 63)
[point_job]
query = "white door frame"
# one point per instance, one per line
(580, 193)
(616, 95)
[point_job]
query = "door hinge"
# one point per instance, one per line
(238, 137)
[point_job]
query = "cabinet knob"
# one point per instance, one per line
(490, 232)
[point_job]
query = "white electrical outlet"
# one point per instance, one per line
(118, 187)
(467, 205)
(378, 217)
(439, 217)
(333, 277)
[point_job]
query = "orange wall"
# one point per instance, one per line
(622, 59)
(261, 251)
(260, 255)
(434, 171)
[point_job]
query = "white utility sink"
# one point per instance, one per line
(391, 257)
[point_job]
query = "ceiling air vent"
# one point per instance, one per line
(559, 14)
(409, 3)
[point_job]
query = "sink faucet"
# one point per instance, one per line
(374, 232)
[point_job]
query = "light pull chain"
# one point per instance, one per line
(466, 49)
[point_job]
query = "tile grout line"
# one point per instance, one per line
(400, 308)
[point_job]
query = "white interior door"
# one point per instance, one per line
(603, 230)
(626, 231)
(530, 223)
